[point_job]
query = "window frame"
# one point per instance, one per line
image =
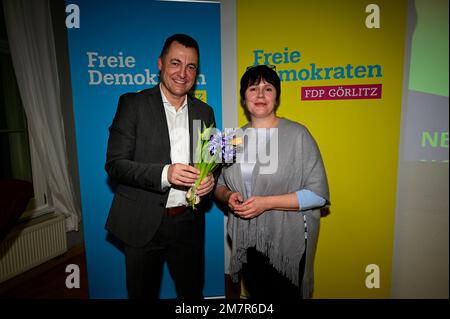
(42, 202)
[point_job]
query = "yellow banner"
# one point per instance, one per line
(341, 65)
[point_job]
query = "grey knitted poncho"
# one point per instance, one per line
(279, 235)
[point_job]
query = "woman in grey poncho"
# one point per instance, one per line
(275, 196)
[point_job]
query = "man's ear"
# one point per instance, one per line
(159, 63)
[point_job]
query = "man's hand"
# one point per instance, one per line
(206, 185)
(182, 174)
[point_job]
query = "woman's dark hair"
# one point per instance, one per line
(255, 74)
(184, 40)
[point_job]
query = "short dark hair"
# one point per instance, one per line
(255, 74)
(183, 39)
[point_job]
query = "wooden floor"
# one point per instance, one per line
(48, 281)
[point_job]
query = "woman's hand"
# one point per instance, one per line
(235, 200)
(252, 207)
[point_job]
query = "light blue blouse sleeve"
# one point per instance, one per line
(308, 199)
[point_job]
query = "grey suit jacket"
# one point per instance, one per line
(138, 150)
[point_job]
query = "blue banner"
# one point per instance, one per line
(114, 50)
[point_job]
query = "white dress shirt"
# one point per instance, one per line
(178, 124)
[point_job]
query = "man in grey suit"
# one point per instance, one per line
(150, 148)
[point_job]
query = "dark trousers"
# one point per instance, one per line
(263, 281)
(179, 241)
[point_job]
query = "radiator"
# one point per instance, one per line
(32, 243)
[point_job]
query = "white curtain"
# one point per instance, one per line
(31, 41)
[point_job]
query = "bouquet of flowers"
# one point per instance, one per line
(214, 148)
